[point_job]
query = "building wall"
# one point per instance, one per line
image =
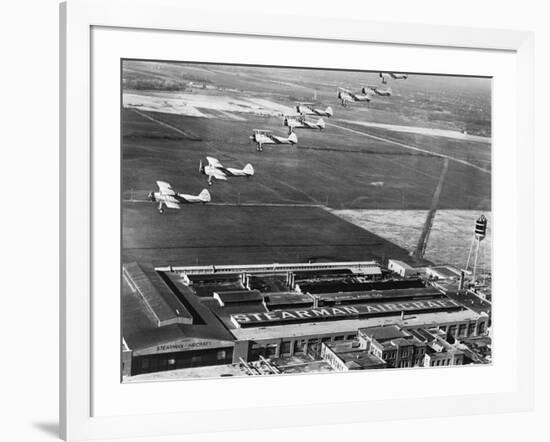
(183, 359)
(443, 358)
(126, 362)
(275, 348)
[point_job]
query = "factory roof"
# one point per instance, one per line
(290, 298)
(383, 333)
(355, 286)
(355, 358)
(351, 325)
(238, 297)
(377, 295)
(305, 274)
(143, 335)
(161, 304)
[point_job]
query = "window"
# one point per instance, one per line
(285, 347)
(299, 346)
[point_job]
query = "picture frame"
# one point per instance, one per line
(81, 414)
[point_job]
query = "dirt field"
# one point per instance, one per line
(450, 238)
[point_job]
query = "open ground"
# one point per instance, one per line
(174, 115)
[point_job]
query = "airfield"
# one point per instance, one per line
(383, 156)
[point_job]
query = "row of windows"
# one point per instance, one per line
(440, 362)
(299, 346)
(471, 328)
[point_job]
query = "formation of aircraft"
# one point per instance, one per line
(263, 136)
(373, 89)
(310, 109)
(387, 75)
(215, 169)
(346, 96)
(300, 122)
(166, 196)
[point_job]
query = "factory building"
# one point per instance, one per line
(179, 317)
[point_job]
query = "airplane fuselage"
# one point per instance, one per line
(262, 138)
(178, 198)
(306, 110)
(349, 97)
(226, 171)
(302, 123)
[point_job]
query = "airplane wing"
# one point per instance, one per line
(213, 162)
(171, 204)
(218, 174)
(165, 187)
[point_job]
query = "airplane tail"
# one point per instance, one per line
(293, 138)
(248, 169)
(204, 196)
(321, 123)
(329, 111)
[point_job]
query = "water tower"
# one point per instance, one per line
(480, 231)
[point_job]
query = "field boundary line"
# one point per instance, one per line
(408, 146)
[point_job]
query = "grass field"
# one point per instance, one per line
(336, 168)
(212, 234)
(177, 114)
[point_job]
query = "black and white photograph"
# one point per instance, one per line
(284, 220)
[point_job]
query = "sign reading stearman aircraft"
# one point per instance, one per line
(280, 317)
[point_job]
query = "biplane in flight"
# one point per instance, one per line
(346, 96)
(262, 136)
(215, 169)
(310, 109)
(166, 196)
(301, 122)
